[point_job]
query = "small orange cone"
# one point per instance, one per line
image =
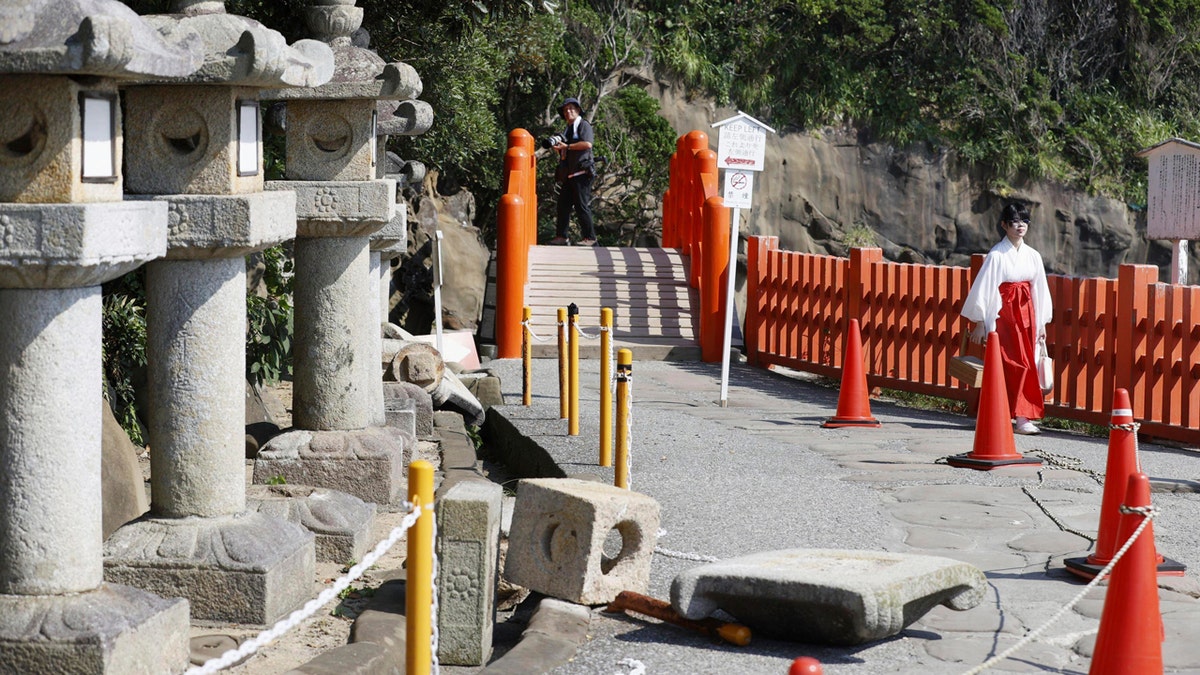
(1131, 629)
(854, 402)
(994, 443)
(805, 665)
(1122, 463)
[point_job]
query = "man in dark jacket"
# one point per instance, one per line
(575, 172)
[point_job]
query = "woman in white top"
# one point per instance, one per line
(1010, 296)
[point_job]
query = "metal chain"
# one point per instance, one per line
(282, 626)
(1148, 512)
(534, 335)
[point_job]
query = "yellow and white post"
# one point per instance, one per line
(419, 586)
(624, 376)
(606, 397)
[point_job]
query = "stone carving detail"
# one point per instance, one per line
(462, 561)
(334, 24)
(177, 220)
(326, 201)
(236, 543)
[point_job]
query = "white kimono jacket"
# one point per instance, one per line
(1004, 263)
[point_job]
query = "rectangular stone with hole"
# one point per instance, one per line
(581, 541)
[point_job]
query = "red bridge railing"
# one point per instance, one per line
(1129, 332)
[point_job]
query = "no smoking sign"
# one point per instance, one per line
(739, 187)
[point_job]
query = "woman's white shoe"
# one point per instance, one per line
(1025, 427)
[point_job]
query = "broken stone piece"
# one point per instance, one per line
(827, 596)
(557, 542)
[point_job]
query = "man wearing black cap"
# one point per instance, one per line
(575, 172)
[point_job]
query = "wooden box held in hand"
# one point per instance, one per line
(968, 369)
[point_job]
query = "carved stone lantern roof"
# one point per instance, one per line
(89, 37)
(358, 73)
(242, 52)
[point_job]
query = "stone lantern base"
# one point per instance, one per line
(248, 569)
(340, 522)
(113, 629)
(368, 463)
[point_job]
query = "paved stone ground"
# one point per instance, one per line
(761, 474)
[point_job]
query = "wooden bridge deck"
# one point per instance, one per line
(654, 309)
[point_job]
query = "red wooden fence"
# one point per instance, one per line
(1130, 332)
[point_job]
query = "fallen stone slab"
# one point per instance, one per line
(552, 638)
(827, 596)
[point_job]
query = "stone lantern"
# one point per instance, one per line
(194, 144)
(332, 151)
(64, 230)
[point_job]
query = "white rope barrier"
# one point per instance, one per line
(637, 667)
(629, 429)
(284, 625)
(696, 557)
(589, 336)
(534, 335)
(1149, 512)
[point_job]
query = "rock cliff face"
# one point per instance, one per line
(825, 190)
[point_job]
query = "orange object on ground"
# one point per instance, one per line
(994, 443)
(629, 601)
(1122, 463)
(805, 665)
(1131, 629)
(854, 401)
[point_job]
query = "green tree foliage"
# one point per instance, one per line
(1061, 89)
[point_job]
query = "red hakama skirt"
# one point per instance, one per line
(1018, 338)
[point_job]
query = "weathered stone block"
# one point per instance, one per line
(40, 118)
(342, 208)
(331, 140)
(827, 596)
(368, 463)
(242, 569)
(557, 541)
(360, 658)
(185, 140)
(113, 629)
(421, 400)
(226, 226)
(468, 545)
(121, 483)
(75, 245)
(340, 522)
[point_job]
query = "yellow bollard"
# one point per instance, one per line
(606, 436)
(419, 584)
(562, 363)
(573, 374)
(526, 359)
(624, 376)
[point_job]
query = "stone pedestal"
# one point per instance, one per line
(468, 547)
(52, 262)
(336, 349)
(386, 243)
(198, 540)
(111, 629)
(340, 522)
(368, 463)
(249, 568)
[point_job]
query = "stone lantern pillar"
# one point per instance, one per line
(64, 230)
(194, 144)
(331, 166)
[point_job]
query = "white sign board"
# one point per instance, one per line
(249, 139)
(1174, 196)
(99, 138)
(742, 145)
(739, 188)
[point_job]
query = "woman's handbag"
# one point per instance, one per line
(1045, 367)
(967, 369)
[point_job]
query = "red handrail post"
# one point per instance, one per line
(1132, 330)
(858, 285)
(715, 247)
(510, 275)
(756, 273)
(705, 173)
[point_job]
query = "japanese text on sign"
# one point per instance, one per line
(739, 189)
(741, 145)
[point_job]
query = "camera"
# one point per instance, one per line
(553, 141)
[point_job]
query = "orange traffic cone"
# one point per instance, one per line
(805, 665)
(1131, 630)
(1122, 463)
(994, 443)
(854, 403)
